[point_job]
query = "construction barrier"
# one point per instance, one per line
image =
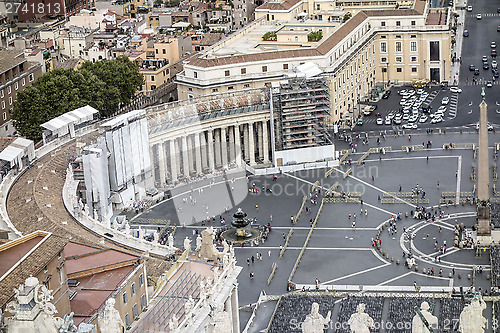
(412, 148)
(331, 189)
(365, 155)
(296, 217)
(347, 173)
(282, 252)
(273, 271)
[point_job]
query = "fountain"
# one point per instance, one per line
(240, 232)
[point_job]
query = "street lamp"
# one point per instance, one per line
(387, 70)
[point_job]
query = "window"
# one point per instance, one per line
(135, 311)
(226, 73)
(413, 23)
(398, 23)
(190, 89)
(1, 93)
(318, 7)
(152, 77)
(31, 77)
(133, 289)
(414, 69)
(10, 100)
(127, 320)
(164, 51)
(413, 59)
(61, 275)
(195, 74)
(243, 71)
(434, 51)
(156, 51)
(4, 115)
(9, 89)
(246, 85)
(143, 301)
(383, 47)
(264, 68)
(399, 69)
(215, 90)
(230, 88)
(190, 96)
(413, 46)
(382, 23)
(125, 298)
(413, 36)
(3, 106)
(399, 47)
(285, 66)
(384, 69)
(141, 280)
(16, 85)
(399, 59)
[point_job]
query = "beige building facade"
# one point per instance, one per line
(374, 47)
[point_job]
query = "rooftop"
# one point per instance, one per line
(9, 59)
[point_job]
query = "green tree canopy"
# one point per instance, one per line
(102, 85)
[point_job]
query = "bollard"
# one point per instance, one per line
(450, 275)
(387, 256)
(397, 262)
(468, 276)
(487, 276)
(392, 259)
(424, 271)
(416, 268)
(459, 275)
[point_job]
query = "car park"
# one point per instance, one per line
(493, 44)
(476, 71)
(436, 120)
(479, 16)
(409, 126)
(455, 90)
(466, 33)
(423, 118)
(445, 100)
(472, 67)
(469, 8)
(489, 84)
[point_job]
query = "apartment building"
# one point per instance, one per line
(16, 73)
(374, 47)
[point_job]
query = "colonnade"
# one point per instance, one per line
(190, 154)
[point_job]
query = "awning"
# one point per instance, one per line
(10, 154)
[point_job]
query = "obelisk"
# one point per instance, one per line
(483, 178)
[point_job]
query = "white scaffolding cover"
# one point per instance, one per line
(13, 155)
(61, 124)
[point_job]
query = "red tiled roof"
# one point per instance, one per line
(97, 260)
(74, 249)
(10, 256)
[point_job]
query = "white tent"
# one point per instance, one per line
(12, 155)
(28, 147)
(65, 123)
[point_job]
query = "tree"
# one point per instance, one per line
(102, 85)
(347, 16)
(314, 36)
(270, 35)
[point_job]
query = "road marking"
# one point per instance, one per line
(322, 228)
(357, 273)
(459, 176)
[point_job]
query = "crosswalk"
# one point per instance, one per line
(452, 106)
(469, 83)
(484, 15)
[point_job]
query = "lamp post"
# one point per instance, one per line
(387, 70)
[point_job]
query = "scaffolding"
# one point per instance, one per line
(302, 109)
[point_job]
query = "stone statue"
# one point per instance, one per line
(208, 250)
(315, 322)
(216, 275)
(198, 243)
(226, 261)
(418, 325)
(361, 322)
(156, 237)
(221, 321)
(170, 241)
(187, 244)
(110, 318)
(471, 318)
(68, 326)
(127, 229)
(141, 233)
(86, 209)
(188, 310)
(96, 216)
(225, 246)
(173, 324)
(2, 327)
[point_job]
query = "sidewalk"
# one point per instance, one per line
(459, 37)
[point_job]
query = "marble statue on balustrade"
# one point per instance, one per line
(127, 229)
(2, 326)
(361, 322)
(188, 310)
(315, 322)
(221, 321)
(187, 244)
(471, 318)
(418, 326)
(199, 241)
(110, 318)
(156, 237)
(173, 324)
(208, 251)
(170, 241)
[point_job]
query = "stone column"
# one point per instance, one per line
(237, 144)
(210, 144)
(162, 163)
(173, 160)
(217, 148)
(251, 143)
(190, 152)
(259, 126)
(246, 156)
(223, 140)
(231, 144)
(265, 141)
(185, 159)
(203, 143)
(197, 147)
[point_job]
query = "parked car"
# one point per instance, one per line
(466, 33)
(442, 108)
(423, 118)
(490, 128)
(386, 94)
(469, 8)
(479, 16)
(445, 100)
(409, 126)
(489, 84)
(380, 121)
(455, 90)
(387, 121)
(476, 71)
(472, 67)
(436, 120)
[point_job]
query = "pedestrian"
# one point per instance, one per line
(353, 224)
(366, 212)
(248, 261)
(253, 259)
(400, 188)
(256, 207)
(269, 252)
(438, 184)
(251, 275)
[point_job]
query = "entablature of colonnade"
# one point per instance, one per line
(198, 126)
